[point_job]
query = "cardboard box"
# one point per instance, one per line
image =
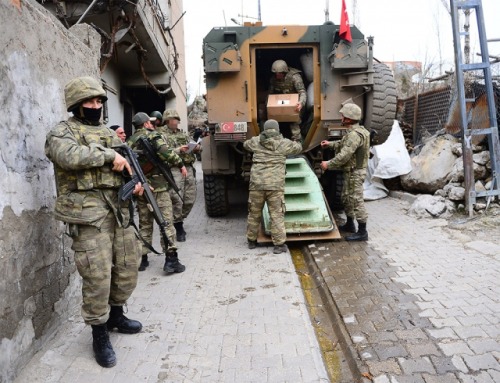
(281, 107)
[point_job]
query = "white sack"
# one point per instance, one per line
(390, 159)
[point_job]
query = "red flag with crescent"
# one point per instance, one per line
(345, 28)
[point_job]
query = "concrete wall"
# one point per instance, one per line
(115, 107)
(178, 81)
(39, 288)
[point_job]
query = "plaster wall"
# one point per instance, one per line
(38, 283)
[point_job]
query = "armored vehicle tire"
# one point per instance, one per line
(215, 191)
(332, 181)
(384, 99)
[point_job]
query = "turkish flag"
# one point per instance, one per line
(345, 28)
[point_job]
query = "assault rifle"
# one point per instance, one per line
(127, 190)
(150, 153)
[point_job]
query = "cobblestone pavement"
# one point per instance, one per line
(420, 300)
(234, 315)
(419, 303)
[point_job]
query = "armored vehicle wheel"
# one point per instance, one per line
(332, 181)
(383, 99)
(215, 191)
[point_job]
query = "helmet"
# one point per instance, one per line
(279, 66)
(82, 88)
(271, 125)
(169, 114)
(351, 111)
(157, 115)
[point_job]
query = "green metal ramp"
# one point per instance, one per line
(307, 211)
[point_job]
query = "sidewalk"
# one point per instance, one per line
(234, 315)
(420, 301)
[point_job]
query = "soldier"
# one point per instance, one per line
(267, 182)
(351, 156)
(88, 175)
(285, 81)
(187, 185)
(145, 128)
(159, 118)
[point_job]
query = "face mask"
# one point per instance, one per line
(92, 115)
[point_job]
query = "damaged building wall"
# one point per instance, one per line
(38, 283)
(178, 83)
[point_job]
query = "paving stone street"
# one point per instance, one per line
(421, 299)
(419, 302)
(234, 315)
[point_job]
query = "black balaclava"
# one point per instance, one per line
(88, 116)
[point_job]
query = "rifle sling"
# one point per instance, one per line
(131, 222)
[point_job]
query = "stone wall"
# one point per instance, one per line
(39, 287)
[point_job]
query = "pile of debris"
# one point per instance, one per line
(438, 173)
(197, 114)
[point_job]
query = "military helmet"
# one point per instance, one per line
(157, 115)
(82, 88)
(170, 114)
(351, 111)
(279, 66)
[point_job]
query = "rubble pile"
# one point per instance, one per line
(197, 113)
(438, 173)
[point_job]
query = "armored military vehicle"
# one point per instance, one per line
(237, 65)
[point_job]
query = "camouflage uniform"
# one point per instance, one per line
(160, 186)
(291, 83)
(351, 156)
(267, 180)
(87, 199)
(187, 185)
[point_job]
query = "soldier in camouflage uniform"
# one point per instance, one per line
(179, 140)
(285, 81)
(267, 182)
(159, 119)
(88, 175)
(351, 156)
(145, 128)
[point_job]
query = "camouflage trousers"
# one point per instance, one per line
(295, 132)
(352, 195)
(276, 204)
(107, 260)
(146, 220)
(187, 189)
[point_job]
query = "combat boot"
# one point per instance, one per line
(278, 249)
(144, 263)
(252, 244)
(361, 235)
(172, 264)
(121, 322)
(180, 233)
(348, 226)
(103, 351)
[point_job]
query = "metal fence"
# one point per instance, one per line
(427, 113)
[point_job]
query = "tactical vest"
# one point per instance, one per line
(363, 151)
(146, 166)
(102, 177)
(177, 139)
(286, 86)
(158, 142)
